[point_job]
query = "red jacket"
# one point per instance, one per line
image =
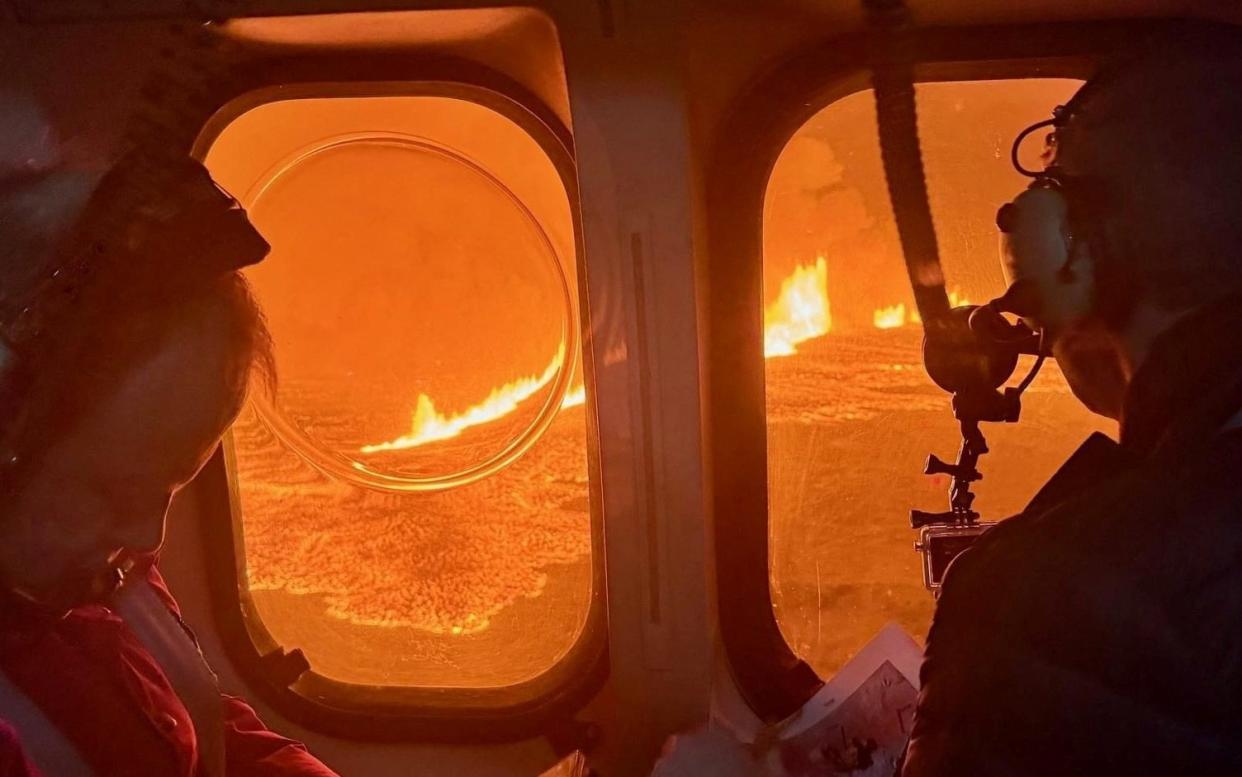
(100, 687)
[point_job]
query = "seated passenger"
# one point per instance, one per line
(1100, 632)
(125, 350)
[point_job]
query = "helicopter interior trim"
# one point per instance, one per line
(664, 120)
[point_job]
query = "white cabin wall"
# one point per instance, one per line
(629, 100)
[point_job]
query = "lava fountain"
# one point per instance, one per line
(801, 311)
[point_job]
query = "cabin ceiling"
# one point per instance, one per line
(993, 12)
(375, 29)
(845, 12)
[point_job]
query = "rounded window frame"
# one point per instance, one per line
(772, 679)
(542, 705)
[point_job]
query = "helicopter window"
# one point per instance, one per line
(413, 497)
(851, 414)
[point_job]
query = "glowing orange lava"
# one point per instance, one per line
(574, 397)
(890, 317)
(431, 425)
(895, 316)
(800, 313)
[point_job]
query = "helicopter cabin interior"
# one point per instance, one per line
(599, 408)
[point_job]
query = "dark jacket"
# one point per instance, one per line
(1100, 631)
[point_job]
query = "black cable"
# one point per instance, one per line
(1039, 362)
(1017, 144)
(902, 155)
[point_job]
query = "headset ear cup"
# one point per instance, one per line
(1042, 252)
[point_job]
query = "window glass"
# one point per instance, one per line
(413, 497)
(851, 415)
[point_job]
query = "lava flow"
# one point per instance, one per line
(895, 316)
(800, 313)
(431, 425)
(890, 317)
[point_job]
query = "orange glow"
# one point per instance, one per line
(430, 425)
(890, 317)
(413, 299)
(800, 313)
(574, 397)
(895, 316)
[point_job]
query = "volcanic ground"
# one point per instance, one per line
(489, 584)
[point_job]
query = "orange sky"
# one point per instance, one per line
(827, 193)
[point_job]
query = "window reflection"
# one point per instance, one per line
(851, 415)
(413, 499)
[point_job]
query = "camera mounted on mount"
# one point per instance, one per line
(971, 353)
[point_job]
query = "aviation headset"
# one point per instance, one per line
(1043, 235)
(1050, 240)
(1052, 228)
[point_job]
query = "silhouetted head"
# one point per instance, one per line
(129, 337)
(1152, 163)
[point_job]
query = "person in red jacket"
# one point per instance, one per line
(127, 340)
